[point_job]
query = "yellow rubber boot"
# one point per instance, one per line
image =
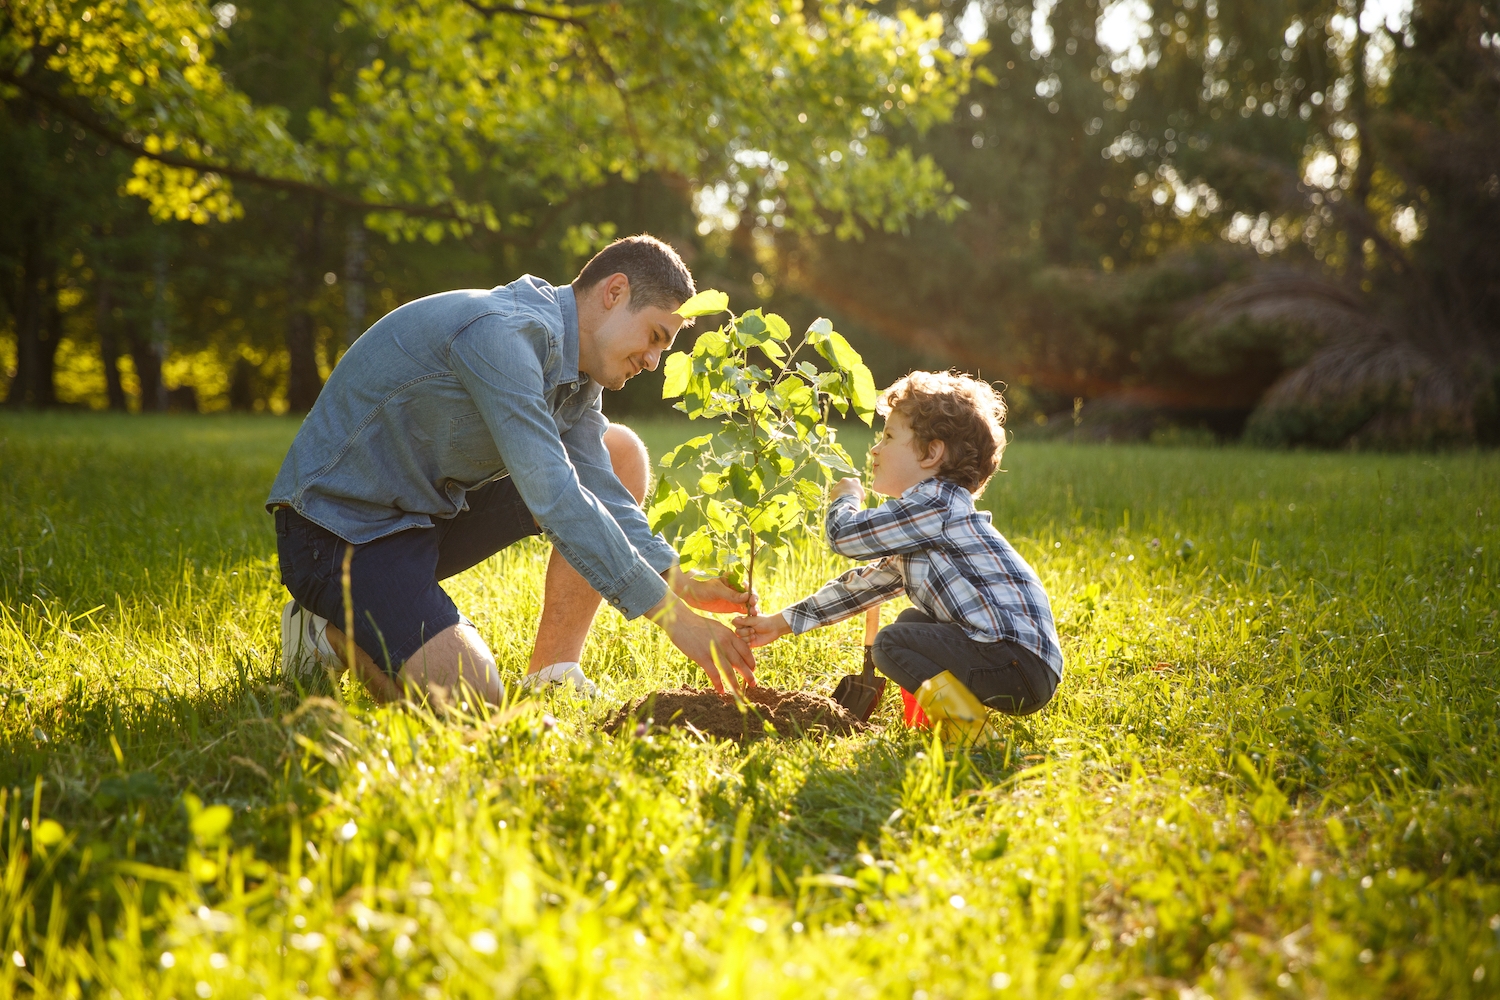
(965, 719)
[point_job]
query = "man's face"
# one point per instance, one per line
(628, 342)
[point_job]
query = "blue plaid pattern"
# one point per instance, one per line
(933, 545)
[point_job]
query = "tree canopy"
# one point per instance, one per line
(1275, 218)
(1218, 208)
(440, 117)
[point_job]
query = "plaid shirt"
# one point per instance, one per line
(931, 544)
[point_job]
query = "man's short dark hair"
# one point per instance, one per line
(658, 277)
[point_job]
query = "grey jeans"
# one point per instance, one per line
(1006, 677)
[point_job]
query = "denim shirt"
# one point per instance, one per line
(456, 390)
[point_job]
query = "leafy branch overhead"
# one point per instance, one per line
(750, 488)
(446, 116)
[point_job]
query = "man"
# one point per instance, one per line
(459, 424)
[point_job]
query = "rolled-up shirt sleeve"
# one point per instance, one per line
(577, 522)
(584, 442)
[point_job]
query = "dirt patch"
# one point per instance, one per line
(764, 712)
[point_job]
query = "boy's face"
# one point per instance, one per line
(899, 464)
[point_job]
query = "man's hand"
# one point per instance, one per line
(848, 487)
(760, 630)
(712, 594)
(720, 652)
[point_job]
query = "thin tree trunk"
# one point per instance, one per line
(45, 392)
(148, 371)
(109, 344)
(1364, 170)
(30, 302)
(160, 327)
(303, 381)
(354, 282)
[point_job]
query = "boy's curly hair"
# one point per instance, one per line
(967, 415)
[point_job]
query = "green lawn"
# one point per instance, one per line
(1269, 771)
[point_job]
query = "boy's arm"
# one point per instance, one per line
(860, 588)
(897, 527)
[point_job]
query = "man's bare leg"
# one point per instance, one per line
(455, 654)
(568, 609)
(569, 603)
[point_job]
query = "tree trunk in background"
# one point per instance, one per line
(354, 282)
(45, 390)
(30, 316)
(303, 383)
(148, 370)
(1364, 170)
(155, 401)
(109, 345)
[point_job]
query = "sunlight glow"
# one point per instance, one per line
(1123, 27)
(1041, 31)
(972, 26)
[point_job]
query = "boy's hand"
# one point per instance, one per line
(848, 487)
(758, 630)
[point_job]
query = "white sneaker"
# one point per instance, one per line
(564, 675)
(306, 655)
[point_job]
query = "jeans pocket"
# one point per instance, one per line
(301, 552)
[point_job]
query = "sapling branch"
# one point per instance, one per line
(751, 493)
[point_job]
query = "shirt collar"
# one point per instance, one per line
(569, 306)
(939, 487)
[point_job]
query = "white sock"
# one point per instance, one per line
(551, 674)
(560, 673)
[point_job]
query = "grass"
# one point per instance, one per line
(1269, 771)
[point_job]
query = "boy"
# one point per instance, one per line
(981, 632)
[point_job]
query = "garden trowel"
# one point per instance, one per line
(860, 693)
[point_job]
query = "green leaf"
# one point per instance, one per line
(717, 516)
(838, 351)
(745, 485)
(995, 848)
(838, 460)
(665, 511)
(809, 494)
(778, 327)
(710, 483)
(705, 303)
(711, 345)
(697, 549)
(818, 329)
(679, 367)
(685, 452)
(208, 825)
(862, 394)
(750, 329)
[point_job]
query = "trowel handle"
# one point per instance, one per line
(872, 624)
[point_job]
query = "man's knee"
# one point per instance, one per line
(453, 656)
(628, 456)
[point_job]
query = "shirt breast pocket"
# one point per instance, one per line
(473, 447)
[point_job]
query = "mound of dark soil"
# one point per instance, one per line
(764, 712)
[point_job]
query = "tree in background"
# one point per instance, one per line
(1215, 211)
(472, 121)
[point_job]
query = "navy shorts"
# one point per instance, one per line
(393, 581)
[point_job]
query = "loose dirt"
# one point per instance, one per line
(765, 712)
